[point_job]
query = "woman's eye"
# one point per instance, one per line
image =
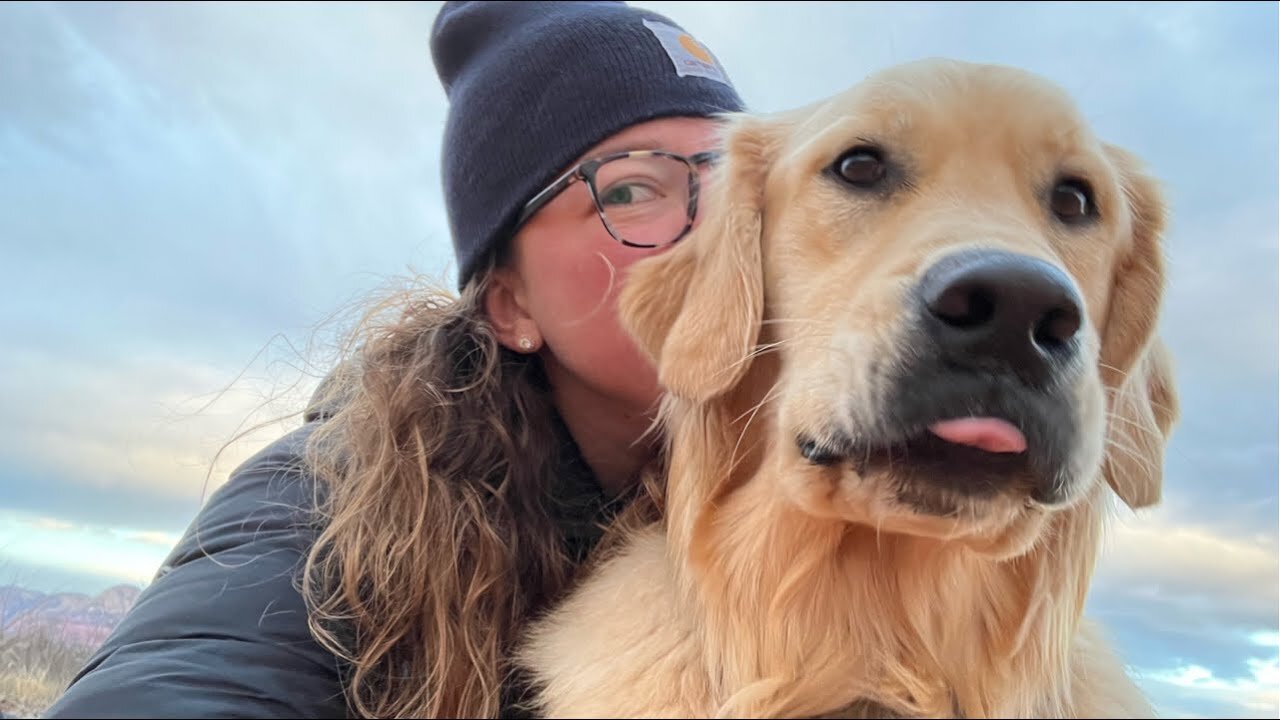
(1072, 200)
(627, 194)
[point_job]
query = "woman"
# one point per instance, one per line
(381, 559)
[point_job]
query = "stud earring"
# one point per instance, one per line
(525, 343)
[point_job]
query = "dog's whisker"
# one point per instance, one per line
(1130, 422)
(1138, 457)
(1121, 442)
(762, 349)
(965, 513)
(769, 396)
(1124, 377)
(733, 456)
(779, 321)
(878, 533)
(1124, 374)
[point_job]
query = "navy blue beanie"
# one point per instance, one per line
(534, 85)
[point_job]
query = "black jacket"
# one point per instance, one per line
(221, 631)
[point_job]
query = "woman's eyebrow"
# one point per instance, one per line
(629, 145)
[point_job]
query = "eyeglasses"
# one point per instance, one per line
(645, 198)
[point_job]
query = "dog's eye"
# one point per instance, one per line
(862, 167)
(1072, 200)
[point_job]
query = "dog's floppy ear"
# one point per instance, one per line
(1143, 411)
(1135, 363)
(696, 309)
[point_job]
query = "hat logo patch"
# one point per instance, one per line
(688, 56)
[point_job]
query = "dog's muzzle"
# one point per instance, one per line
(982, 400)
(999, 312)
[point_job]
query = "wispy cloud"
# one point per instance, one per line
(1196, 691)
(143, 422)
(121, 555)
(1217, 581)
(50, 524)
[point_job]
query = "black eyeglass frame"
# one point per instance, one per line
(586, 172)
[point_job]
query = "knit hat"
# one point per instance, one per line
(533, 85)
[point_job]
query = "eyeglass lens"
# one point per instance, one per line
(644, 200)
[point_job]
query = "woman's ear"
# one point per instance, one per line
(505, 305)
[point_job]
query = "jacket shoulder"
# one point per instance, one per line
(222, 629)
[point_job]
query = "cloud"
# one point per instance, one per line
(96, 550)
(1194, 611)
(1217, 481)
(158, 538)
(47, 523)
(164, 189)
(192, 185)
(36, 490)
(145, 421)
(1214, 582)
(1196, 691)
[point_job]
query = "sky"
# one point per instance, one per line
(192, 195)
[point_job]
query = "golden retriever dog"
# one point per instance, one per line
(910, 355)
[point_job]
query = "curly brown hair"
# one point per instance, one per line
(441, 533)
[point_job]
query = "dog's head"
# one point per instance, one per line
(961, 285)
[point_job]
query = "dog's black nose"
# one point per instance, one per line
(990, 307)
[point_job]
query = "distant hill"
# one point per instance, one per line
(74, 617)
(46, 638)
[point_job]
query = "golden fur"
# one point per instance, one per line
(779, 587)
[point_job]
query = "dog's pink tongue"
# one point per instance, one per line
(985, 433)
